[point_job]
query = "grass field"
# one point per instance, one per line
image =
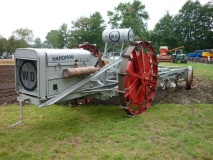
(168, 131)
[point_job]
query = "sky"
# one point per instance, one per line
(42, 16)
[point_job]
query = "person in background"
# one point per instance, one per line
(12, 56)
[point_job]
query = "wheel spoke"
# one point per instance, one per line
(134, 74)
(137, 93)
(135, 61)
(135, 112)
(150, 83)
(142, 58)
(131, 88)
(150, 53)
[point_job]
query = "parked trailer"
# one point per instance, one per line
(47, 76)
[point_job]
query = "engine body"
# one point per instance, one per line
(39, 72)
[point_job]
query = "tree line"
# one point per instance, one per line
(192, 27)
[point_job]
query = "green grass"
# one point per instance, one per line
(104, 132)
(168, 131)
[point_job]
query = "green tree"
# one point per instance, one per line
(130, 15)
(64, 35)
(206, 23)
(163, 33)
(194, 25)
(14, 43)
(88, 30)
(37, 43)
(3, 44)
(23, 34)
(45, 44)
(53, 39)
(59, 38)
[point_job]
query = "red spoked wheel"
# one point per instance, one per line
(138, 78)
(90, 47)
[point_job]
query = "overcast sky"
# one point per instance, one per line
(41, 16)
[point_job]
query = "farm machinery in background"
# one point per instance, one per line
(6, 55)
(163, 55)
(177, 55)
(47, 76)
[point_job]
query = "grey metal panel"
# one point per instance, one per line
(39, 56)
(41, 67)
(25, 53)
(31, 99)
(62, 84)
(16, 78)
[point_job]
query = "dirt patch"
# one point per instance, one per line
(202, 91)
(7, 85)
(7, 74)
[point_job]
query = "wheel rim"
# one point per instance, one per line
(189, 80)
(138, 78)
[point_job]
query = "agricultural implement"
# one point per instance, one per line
(47, 76)
(178, 55)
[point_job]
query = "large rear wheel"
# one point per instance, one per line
(138, 78)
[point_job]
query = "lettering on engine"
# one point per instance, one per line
(28, 75)
(114, 36)
(64, 57)
(118, 36)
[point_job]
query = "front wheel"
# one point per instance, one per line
(138, 78)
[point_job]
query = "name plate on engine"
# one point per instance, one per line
(68, 55)
(62, 57)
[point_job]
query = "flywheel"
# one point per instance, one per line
(138, 78)
(90, 47)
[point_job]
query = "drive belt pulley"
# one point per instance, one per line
(138, 78)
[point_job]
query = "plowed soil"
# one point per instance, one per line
(7, 85)
(202, 91)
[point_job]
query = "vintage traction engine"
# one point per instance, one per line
(47, 76)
